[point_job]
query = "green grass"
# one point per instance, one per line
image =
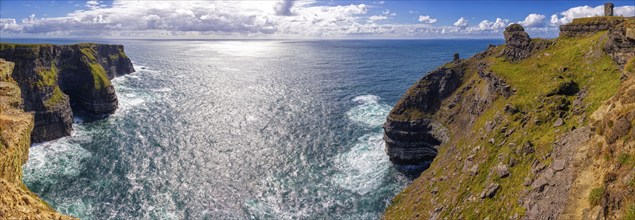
(597, 19)
(595, 196)
(100, 78)
(48, 79)
(538, 81)
(630, 213)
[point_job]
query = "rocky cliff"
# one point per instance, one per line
(16, 201)
(532, 129)
(52, 77)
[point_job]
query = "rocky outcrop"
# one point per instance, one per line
(16, 201)
(621, 42)
(52, 77)
(587, 26)
(410, 132)
(518, 43)
(533, 129)
(416, 126)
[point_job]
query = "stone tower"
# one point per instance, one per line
(608, 9)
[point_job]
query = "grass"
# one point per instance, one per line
(100, 78)
(540, 98)
(630, 213)
(595, 196)
(597, 19)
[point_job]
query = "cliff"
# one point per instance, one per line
(52, 77)
(532, 129)
(16, 201)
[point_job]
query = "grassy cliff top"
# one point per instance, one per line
(557, 90)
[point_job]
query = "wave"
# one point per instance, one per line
(370, 112)
(364, 166)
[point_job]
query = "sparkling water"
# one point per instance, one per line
(240, 130)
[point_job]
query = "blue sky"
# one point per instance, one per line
(291, 18)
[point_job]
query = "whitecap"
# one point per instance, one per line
(370, 112)
(58, 159)
(363, 168)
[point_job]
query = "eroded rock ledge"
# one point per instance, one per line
(52, 76)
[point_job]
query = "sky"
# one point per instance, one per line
(292, 19)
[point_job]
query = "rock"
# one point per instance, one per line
(77, 73)
(559, 122)
(409, 139)
(502, 170)
(435, 190)
(490, 191)
(538, 167)
(596, 213)
(512, 161)
(510, 109)
(527, 148)
(489, 126)
(527, 181)
(539, 184)
(518, 43)
(558, 165)
(474, 170)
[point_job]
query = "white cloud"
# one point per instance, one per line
(93, 4)
(588, 11)
(533, 20)
(377, 18)
(461, 23)
(266, 19)
(427, 19)
(283, 7)
(486, 25)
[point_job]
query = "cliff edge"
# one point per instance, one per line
(16, 201)
(52, 77)
(532, 129)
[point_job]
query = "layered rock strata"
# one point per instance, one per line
(51, 77)
(16, 201)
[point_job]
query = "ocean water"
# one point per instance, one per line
(240, 130)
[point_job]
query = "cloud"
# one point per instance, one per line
(266, 19)
(283, 7)
(533, 20)
(427, 19)
(588, 11)
(377, 18)
(486, 25)
(461, 23)
(93, 4)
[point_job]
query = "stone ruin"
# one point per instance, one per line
(608, 9)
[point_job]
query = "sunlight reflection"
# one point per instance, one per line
(244, 48)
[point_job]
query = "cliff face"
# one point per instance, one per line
(523, 130)
(51, 77)
(16, 201)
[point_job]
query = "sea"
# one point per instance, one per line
(240, 129)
